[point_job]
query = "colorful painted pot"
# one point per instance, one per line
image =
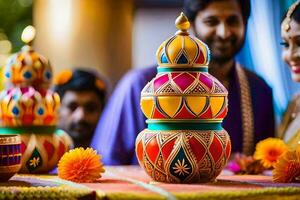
(10, 156)
(184, 95)
(183, 156)
(29, 108)
(41, 147)
(185, 106)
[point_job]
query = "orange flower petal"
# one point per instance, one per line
(80, 165)
(269, 150)
(100, 84)
(287, 169)
(63, 77)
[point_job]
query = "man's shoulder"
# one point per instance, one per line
(136, 78)
(256, 80)
(142, 72)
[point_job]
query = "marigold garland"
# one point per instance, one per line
(287, 169)
(80, 165)
(269, 150)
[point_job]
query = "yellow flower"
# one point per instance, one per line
(34, 162)
(63, 77)
(287, 169)
(80, 165)
(269, 150)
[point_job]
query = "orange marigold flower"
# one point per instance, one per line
(269, 150)
(80, 165)
(100, 84)
(287, 169)
(63, 77)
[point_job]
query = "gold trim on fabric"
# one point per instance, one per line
(247, 111)
(290, 114)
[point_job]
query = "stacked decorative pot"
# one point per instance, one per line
(185, 106)
(30, 109)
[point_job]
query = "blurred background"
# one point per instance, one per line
(114, 36)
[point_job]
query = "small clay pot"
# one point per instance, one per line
(10, 156)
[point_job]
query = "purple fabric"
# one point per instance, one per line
(262, 103)
(123, 119)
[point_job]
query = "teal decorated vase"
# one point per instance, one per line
(29, 108)
(184, 106)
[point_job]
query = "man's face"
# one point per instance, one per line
(220, 25)
(79, 114)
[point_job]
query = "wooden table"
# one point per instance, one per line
(131, 182)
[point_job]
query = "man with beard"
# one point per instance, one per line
(221, 24)
(82, 96)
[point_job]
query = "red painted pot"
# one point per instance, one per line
(186, 156)
(185, 107)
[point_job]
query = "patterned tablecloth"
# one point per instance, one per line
(131, 182)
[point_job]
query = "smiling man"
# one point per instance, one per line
(221, 24)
